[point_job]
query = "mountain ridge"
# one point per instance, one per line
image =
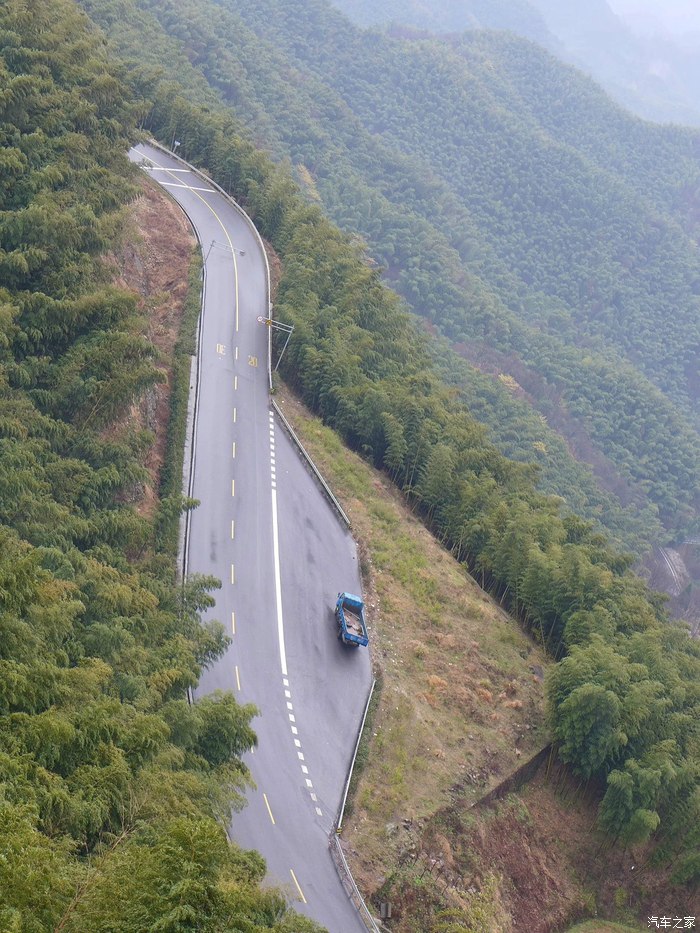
(503, 222)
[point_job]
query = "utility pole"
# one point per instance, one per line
(287, 329)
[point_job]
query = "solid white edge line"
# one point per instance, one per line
(278, 584)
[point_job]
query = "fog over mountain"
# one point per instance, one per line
(633, 48)
(677, 17)
(645, 58)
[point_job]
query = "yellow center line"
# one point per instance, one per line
(235, 266)
(233, 623)
(294, 879)
(221, 224)
(267, 804)
(238, 684)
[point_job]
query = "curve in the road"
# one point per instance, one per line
(266, 531)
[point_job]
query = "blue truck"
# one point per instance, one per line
(350, 616)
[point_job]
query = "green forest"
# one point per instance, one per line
(541, 229)
(651, 72)
(115, 791)
(624, 698)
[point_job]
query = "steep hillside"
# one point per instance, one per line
(623, 701)
(518, 16)
(113, 788)
(655, 77)
(623, 697)
(548, 234)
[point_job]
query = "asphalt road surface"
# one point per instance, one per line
(266, 531)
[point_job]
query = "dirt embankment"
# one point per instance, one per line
(541, 859)
(153, 260)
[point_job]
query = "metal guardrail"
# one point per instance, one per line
(339, 859)
(193, 435)
(350, 886)
(314, 469)
(336, 848)
(341, 812)
(241, 211)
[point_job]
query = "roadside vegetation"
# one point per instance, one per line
(544, 232)
(114, 790)
(624, 700)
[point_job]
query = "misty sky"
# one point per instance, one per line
(676, 16)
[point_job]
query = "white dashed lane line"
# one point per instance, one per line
(297, 745)
(285, 680)
(273, 476)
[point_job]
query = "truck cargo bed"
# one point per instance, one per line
(353, 621)
(350, 617)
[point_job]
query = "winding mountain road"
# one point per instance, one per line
(266, 531)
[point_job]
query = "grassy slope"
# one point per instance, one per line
(461, 683)
(459, 697)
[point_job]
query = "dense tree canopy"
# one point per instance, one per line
(543, 230)
(106, 770)
(114, 790)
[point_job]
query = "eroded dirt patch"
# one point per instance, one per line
(542, 859)
(153, 261)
